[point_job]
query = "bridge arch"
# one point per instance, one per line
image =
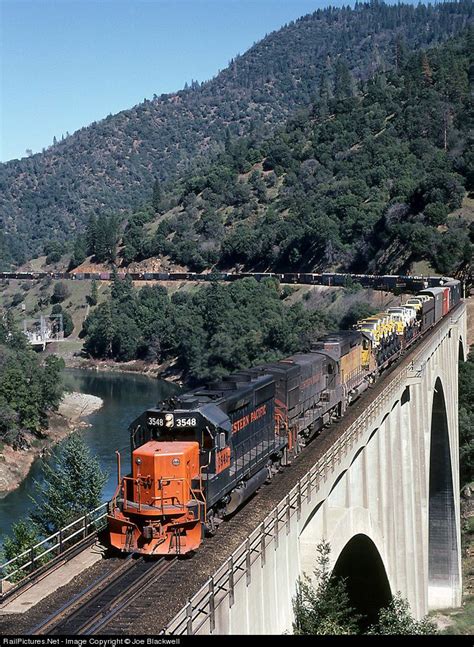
(366, 579)
(443, 558)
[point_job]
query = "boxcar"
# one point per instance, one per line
(454, 292)
(427, 314)
(439, 296)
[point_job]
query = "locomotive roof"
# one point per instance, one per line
(339, 342)
(305, 358)
(231, 389)
(352, 336)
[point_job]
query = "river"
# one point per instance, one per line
(125, 396)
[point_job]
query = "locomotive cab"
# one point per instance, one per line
(160, 507)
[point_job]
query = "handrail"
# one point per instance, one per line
(59, 541)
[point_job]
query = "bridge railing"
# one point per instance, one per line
(24, 566)
(202, 608)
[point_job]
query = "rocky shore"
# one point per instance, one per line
(162, 371)
(15, 465)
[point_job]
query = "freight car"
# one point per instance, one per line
(198, 457)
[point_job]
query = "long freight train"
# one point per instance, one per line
(388, 282)
(196, 458)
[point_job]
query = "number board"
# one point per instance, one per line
(171, 420)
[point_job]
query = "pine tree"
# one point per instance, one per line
(100, 243)
(111, 238)
(343, 81)
(324, 87)
(91, 235)
(52, 386)
(80, 251)
(122, 289)
(94, 295)
(400, 53)
(324, 610)
(70, 487)
(426, 69)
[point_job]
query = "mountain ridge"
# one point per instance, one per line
(110, 166)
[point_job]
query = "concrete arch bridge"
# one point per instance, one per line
(385, 496)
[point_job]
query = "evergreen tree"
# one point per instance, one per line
(343, 83)
(400, 53)
(80, 251)
(91, 235)
(94, 294)
(101, 240)
(324, 610)
(60, 292)
(24, 535)
(397, 619)
(52, 387)
(99, 330)
(69, 488)
(122, 289)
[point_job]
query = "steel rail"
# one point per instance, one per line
(99, 603)
(125, 599)
(80, 598)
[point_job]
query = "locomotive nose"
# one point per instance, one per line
(162, 503)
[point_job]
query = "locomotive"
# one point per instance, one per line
(198, 457)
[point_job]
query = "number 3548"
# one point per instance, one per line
(185, 422)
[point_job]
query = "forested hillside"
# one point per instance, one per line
(110, 166)
(211, 332)
(29, 388)
(365, 178)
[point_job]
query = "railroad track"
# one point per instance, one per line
(107, 599)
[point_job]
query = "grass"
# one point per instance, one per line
(462, 620)
(36, 299)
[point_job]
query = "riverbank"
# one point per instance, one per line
(16, 464)
(70, 350)
(165, 371)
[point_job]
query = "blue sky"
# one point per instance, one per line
(66, 63)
